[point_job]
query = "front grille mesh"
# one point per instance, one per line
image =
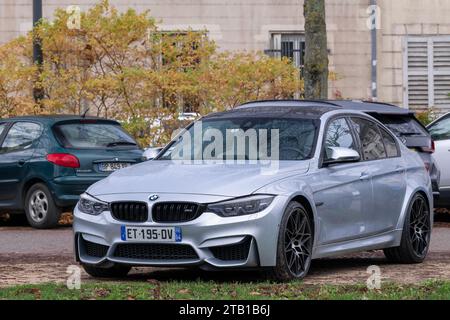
(176, 211)
(129, 211)
(232, 252)
(155, 251)
(94, 249)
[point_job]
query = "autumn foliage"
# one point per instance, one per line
(120, 65)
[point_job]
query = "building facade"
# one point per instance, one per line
(410, 50)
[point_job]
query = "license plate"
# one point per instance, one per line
(151, 234)
(112, 166)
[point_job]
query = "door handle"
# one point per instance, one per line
(364, 176)
(399, 169)
(21, 162)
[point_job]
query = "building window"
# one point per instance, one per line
(427, 72)
(290, 45)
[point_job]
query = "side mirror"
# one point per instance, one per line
(340, 155)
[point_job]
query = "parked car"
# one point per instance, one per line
(46, 162)
(152, 152)
(344, 183)
(440, 132)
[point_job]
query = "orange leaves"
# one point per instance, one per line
(119, 65)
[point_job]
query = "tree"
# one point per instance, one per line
(17, 75)
(119, 65)
(316, 53)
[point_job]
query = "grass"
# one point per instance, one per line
(152, 289)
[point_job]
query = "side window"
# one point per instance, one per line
(441, 130)
(389, 144)
(371, 140)
(339, 134)
(20, 136)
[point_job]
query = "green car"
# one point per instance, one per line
(46, 162)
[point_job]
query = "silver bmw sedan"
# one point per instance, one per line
(269, 185)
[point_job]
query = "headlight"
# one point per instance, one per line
(241, 206)
(90, 205)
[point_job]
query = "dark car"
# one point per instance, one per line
(46, 162)
(402, 122)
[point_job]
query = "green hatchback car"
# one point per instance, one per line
(46, 162)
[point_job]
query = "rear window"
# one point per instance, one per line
(93, 135)
(402, 126)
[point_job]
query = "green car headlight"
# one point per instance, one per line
(241, 206)
(91, 205)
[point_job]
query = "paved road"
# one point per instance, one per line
(24, 241)
(42, 256)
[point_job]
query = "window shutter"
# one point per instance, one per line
(417, 64)
(441, 63)
(427, 76)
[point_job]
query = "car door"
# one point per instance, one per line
(387, 172)
(440, 133)
(15, 151)
(342, 192)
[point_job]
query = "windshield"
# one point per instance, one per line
(245, 139)
(402, 125)
(93, 135)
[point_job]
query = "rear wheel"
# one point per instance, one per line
(416, 234)
(115, 271)
(40, 208)
(295, 242)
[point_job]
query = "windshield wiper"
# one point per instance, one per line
(120, 143)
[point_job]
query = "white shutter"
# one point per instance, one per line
(417, 72)
(427, 72)
(441, 71)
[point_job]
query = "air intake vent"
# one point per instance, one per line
(233, 252)
(176, 211)
(141, 251)
(129, 211)
(94, 249)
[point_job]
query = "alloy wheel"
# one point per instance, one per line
(419, 226)
(298, 242)
(38, 206)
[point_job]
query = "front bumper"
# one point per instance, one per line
(209, 236)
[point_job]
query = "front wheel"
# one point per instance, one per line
(40, 208)
(114, 271)
(416, 234)
(295, 243)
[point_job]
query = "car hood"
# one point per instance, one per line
(230, 180)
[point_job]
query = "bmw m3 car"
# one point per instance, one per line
(269, 185)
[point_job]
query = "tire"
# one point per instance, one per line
(116, 271)
(293, 261)
(40, 208)
(416, 234)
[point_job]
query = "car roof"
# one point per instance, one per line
(329, 105)
(55, 118)
(263, 109)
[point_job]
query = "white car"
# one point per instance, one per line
(440, 132)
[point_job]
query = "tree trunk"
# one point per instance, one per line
(316, 52)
